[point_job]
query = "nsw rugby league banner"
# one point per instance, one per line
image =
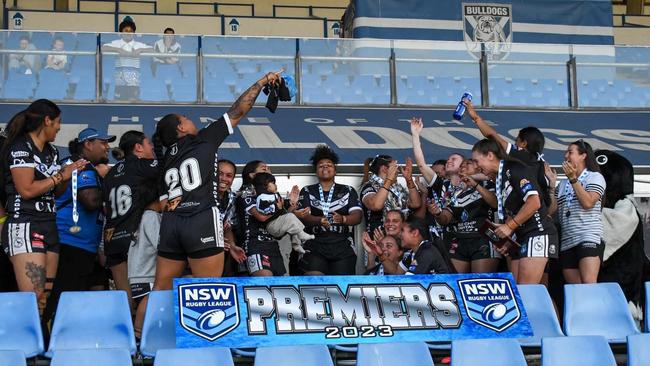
(275, 311)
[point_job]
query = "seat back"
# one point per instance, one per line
(194, 356)
(647, 307)
(19, 323)
(13, 358)
(309, 355)
(92, 320)
(158, 329)
(637, 350)
(578, 350)
(487, 352)
(94, 357)
(584, 306)
(391, 354)
(541, 314)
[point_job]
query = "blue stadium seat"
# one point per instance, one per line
(316, 355)
(394, 353)
(541, 314)
(53, 84)
(158, 329)
(487, 352)
(19, 86)
(194, 356)
(153, 90)
(584, 306)
(94, 357)
(92, 320)
(583, 350)
(19, 324)
(647, 307)
(637, 350)
(13, 358)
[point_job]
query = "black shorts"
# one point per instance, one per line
(265, 255)
(116, 250)
(471, 249)
(570, 258)
(139, 291)
(538, 245)
(30, 237)
(196, 236)
(330, 258)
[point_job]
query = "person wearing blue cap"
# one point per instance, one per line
(79, 219)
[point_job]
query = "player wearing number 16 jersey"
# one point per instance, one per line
(191, 227)
(128, 189)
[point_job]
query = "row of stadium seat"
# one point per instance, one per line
(101, 320)
(578, 350)
(224, 80)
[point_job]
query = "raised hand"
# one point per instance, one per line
(392, 171)
(407, 169)
(551, 174)
(294, 194)
(470, 109)
(434, 209)
(378, 234)
(416, 126)
(370, 245)
(570, 170)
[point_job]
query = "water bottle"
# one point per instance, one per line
(460, 108)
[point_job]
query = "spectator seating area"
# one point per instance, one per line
(96, 327)
(335, 72)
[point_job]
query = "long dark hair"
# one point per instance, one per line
(246, 172)
(166, 129)
(584, 147)
(534, 140)
(422, 227)
(490, 145)
(127, 144)
(29, 120)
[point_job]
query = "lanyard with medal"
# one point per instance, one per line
(326, 204)
(499, 180)
(75, 213)
(570, 192)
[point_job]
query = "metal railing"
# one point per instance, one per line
(395, 75)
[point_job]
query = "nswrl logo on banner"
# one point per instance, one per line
(490, 302)
(258, 312)
(208, 310)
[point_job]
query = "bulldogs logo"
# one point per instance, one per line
(490, 302)
(488, 25)
(208, 310)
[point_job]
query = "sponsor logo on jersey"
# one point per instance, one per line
(490, 302)
(19, 154)
(208, 310)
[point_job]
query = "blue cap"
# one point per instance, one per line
(92, 134)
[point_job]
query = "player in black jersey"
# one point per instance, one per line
(520, 210)
(422, 256)
(466, 212)
(528, 148)
(333, 208)
(227, 209)
(129, 189)
(32, 177)
(191, 228)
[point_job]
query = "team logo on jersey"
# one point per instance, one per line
(173, 150)
(488, 26)
(490, 302)
(208, 310)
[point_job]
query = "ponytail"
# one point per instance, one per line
(166, 129)
(158, 148)
(74, 146)
(28, 120)
(366, 171)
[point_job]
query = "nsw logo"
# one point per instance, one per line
(490, 302)
(208, 310)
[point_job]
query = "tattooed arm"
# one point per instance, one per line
(245, 102)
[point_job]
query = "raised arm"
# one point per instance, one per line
(428, 173)
(245, 102)
(485, 128)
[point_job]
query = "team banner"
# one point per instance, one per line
(275, 311)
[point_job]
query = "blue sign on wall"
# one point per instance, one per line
(274, 311)
(289, 135)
